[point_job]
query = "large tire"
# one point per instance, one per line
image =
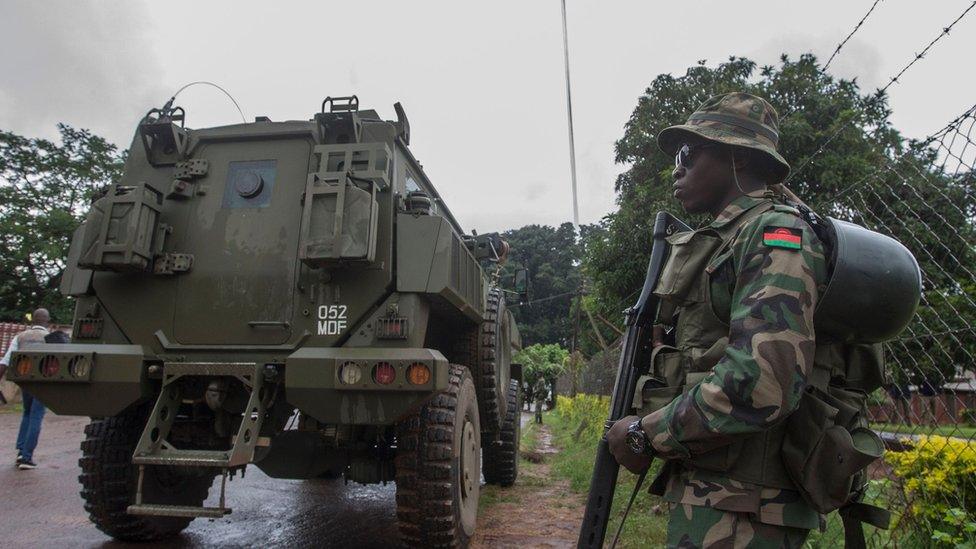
(501, 457)
(108, 480)
(492, 358)
(438, 467)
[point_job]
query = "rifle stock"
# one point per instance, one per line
(635, 352)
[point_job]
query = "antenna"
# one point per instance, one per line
(229, 96)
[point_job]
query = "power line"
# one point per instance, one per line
(844, 42)
(541, 299)
(880, 92)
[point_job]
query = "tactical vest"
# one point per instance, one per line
(697, 285)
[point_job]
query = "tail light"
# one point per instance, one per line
(384, 373)
(89, 328)
(350, 373)
(50, 366)
(24, 366)
(418, 374)
(79, 366)
(391, 328)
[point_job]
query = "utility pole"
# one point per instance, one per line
(569, 115)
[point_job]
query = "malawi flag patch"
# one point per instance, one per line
(782, 237)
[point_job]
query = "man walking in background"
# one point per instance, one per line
(30, 423)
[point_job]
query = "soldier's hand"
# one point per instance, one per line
(617, 440)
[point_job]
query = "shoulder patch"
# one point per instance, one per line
(783, 237)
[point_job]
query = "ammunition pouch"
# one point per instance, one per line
(688, 256)
(825, 450)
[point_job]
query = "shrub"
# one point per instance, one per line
(585, 413)
(938, 476)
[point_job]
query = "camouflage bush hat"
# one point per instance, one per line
(737, 119)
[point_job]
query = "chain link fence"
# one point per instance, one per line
(926, 198)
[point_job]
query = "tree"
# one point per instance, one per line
(552, 257)
(541, 365)
(45, 189)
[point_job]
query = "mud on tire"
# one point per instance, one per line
(108, 481)
(501, 457)
(438, 467)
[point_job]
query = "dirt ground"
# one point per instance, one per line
(537, 512)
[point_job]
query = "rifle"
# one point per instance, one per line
(635, 352)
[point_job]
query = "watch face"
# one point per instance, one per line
(636, 442)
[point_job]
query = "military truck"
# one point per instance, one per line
(294, 295)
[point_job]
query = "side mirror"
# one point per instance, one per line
(522, 284)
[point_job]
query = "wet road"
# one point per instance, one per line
(42, 508)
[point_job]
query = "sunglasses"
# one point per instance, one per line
(684, 155)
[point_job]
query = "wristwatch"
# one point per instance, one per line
(637, 440)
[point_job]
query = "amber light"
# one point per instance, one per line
(418, 374)
(24, 365)
(50, 366)
(384, 373)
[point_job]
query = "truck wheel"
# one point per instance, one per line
(108, 481)
(492, 349)
(438, 466)
(501, 458)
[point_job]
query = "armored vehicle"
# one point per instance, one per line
(294, 295)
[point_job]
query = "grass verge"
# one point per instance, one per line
(646, 525)
(529, 474)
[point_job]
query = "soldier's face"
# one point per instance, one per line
(701, 181)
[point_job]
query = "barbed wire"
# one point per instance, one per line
(894, 79)
(844, 41)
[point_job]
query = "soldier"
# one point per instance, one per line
(740, 294)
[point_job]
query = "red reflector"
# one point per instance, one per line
(89, 328)
(391, 328)
(50, 366)
(384, 373)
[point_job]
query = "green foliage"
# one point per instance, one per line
(541, 365)
(552, 256)
(960, 530)
(45, 189)
(586, 412)
(944, 322)
(938, 476)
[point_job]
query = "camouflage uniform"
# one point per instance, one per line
(744, 300)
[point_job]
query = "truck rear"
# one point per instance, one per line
(294, 295)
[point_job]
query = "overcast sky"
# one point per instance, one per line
(481, 82)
